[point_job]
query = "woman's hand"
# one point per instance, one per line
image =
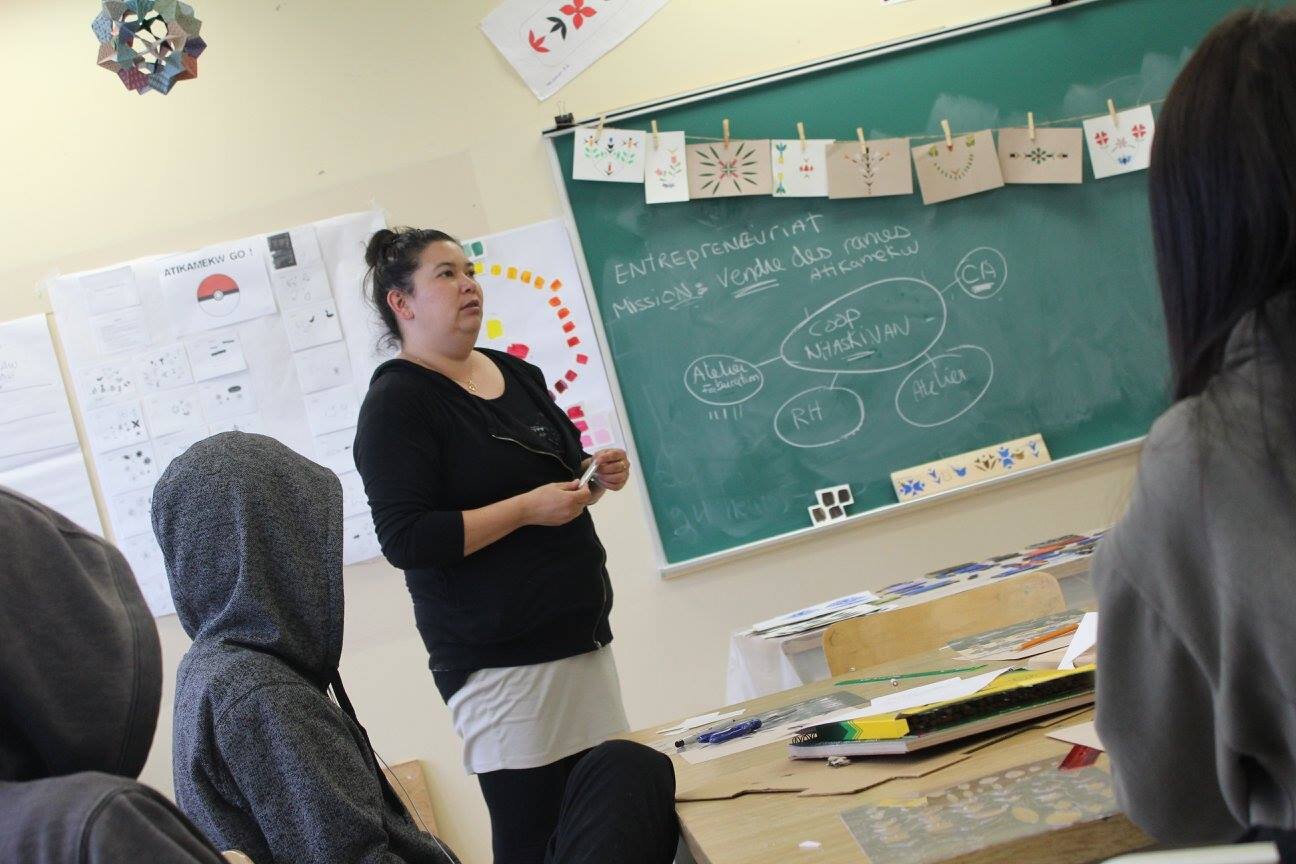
(613, 468)
(555, 503)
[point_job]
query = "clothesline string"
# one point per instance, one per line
(941, 136)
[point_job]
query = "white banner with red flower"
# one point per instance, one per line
(550, 42)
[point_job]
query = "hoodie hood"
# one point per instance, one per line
(252, 537)
(81, 666)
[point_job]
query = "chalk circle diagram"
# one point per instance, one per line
(880, 327)
(218, 295)
(722, 379)
(982, 273)
(819, 417)
(944, 387)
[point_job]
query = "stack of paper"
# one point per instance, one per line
(819, 615)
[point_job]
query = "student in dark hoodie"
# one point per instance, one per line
(80, 682)
(264, 760)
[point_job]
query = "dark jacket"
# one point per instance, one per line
(427, 451)
(80, 682)
(264, 761)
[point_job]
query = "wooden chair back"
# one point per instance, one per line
(881, 637)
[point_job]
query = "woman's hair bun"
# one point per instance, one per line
(379, 245)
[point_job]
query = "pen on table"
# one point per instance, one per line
(1048, 637)
(717, 736)
(882, 679)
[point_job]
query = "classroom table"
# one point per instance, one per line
(769, 828)
(758, 666)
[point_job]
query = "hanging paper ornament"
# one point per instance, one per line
(150, 44)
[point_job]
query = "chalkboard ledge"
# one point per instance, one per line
(903, 508)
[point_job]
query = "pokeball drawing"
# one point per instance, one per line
(218, 295)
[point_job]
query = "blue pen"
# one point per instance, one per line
(737, 730)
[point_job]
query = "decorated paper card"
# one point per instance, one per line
(217, 286)
(1123, 146)
(613, 155)
(717, 170)
(665, 171)
(550, 42)
(881, 168)
(1052, 156)
(965, 166)
(800, 169)
(536, 310)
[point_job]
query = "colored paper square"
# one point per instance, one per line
(719, 171)
(881, 169)
(612, 155)
(665, 169)
(1054, 156)
(1121, 147)
(800, 170)
(966, 166)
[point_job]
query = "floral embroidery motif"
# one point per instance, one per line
(576, 10)
(668, 174)
(738, 169)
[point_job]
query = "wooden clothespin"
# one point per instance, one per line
(859, 133)
(1111, 109)
(598, 133)
(726, 132)
(656, 135)
(801, 134)
(1030, 123)
(949, 136)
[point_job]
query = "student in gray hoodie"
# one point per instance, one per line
(80, 682)
(264, 760)
(1197, 583)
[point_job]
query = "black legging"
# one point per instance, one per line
(614, 804)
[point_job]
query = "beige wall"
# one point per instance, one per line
(307, 109)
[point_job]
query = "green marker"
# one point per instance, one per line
(884, 678)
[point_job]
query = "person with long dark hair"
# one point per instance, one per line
(1197, 583)
(472, 473)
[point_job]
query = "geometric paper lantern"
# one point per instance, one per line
(150, 44)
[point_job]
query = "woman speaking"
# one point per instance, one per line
(473, 475)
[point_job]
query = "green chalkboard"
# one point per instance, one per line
(1026, 309)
